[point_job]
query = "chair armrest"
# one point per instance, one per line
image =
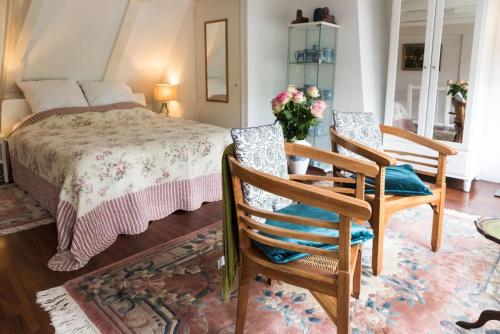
(417, 139)
(308, 194)
(339, 161)
(380, 158)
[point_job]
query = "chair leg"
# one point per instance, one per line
(243, 290)
(328, 303)
(437, 224)
(343, 304)
(378, 225)
(356, 284)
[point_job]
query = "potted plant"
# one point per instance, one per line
(458, 90)
(297, 111)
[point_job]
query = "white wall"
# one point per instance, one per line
(374, 26)
(266, 45)
(153, 43)
(489, 88)
(68, 44)
(180, 67)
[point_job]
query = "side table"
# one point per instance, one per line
(490, 228)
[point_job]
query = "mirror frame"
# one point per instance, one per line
(226, 60)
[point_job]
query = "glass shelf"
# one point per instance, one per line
(309, 63)
(314, 41)
(313, 26)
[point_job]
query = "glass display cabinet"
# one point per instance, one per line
(311, 61)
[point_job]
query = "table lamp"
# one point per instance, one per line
(164, 93)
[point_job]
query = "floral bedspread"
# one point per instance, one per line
(96, 156)
(117, 167)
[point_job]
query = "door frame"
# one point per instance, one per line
(392, 67)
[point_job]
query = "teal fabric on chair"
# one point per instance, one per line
(359, 234)
(400, 181)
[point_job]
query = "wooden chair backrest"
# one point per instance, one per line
(423, 164)
(347, 207)
(353, 186)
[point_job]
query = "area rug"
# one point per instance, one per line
(176, 288)
(19, 212)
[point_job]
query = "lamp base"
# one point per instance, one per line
(164, 109)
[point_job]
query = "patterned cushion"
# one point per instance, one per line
(263, 149)
(360, 127)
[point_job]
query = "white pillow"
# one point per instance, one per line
(99, 93)
(43, 95)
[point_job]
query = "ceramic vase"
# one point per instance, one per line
(298, 164)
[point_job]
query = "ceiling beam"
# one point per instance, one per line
(122, 38)
(27, 22)
(36, 16)
(28, 28)
(39, 17)
(16, 17)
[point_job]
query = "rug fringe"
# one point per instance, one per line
(65, 314)
(29, 226)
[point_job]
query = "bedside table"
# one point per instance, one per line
(3, 157)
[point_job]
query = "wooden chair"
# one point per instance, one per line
(330, 275)
(383, 206)
(459, 120)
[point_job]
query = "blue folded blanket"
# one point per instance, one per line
(359, 234)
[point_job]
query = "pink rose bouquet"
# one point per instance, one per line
(297, 111)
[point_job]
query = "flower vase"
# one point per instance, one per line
(298, 164)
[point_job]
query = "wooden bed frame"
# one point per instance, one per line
(15, 110)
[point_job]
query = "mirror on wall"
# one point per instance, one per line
(216, 68)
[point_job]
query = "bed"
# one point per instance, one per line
(110, 170)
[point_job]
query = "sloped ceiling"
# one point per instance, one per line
(74, 39)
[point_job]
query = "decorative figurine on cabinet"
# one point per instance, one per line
(327, 17)
(323, 14)
(300, 18)
(318, 14)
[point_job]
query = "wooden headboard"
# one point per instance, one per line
(14, 110)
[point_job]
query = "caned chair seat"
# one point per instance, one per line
(315, 272)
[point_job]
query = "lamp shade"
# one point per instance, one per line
(164, 92)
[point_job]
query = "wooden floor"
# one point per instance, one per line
(23, 256)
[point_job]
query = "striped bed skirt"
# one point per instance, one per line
(81, 238)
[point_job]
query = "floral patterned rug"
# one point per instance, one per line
(19, 212)
(176, 288)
